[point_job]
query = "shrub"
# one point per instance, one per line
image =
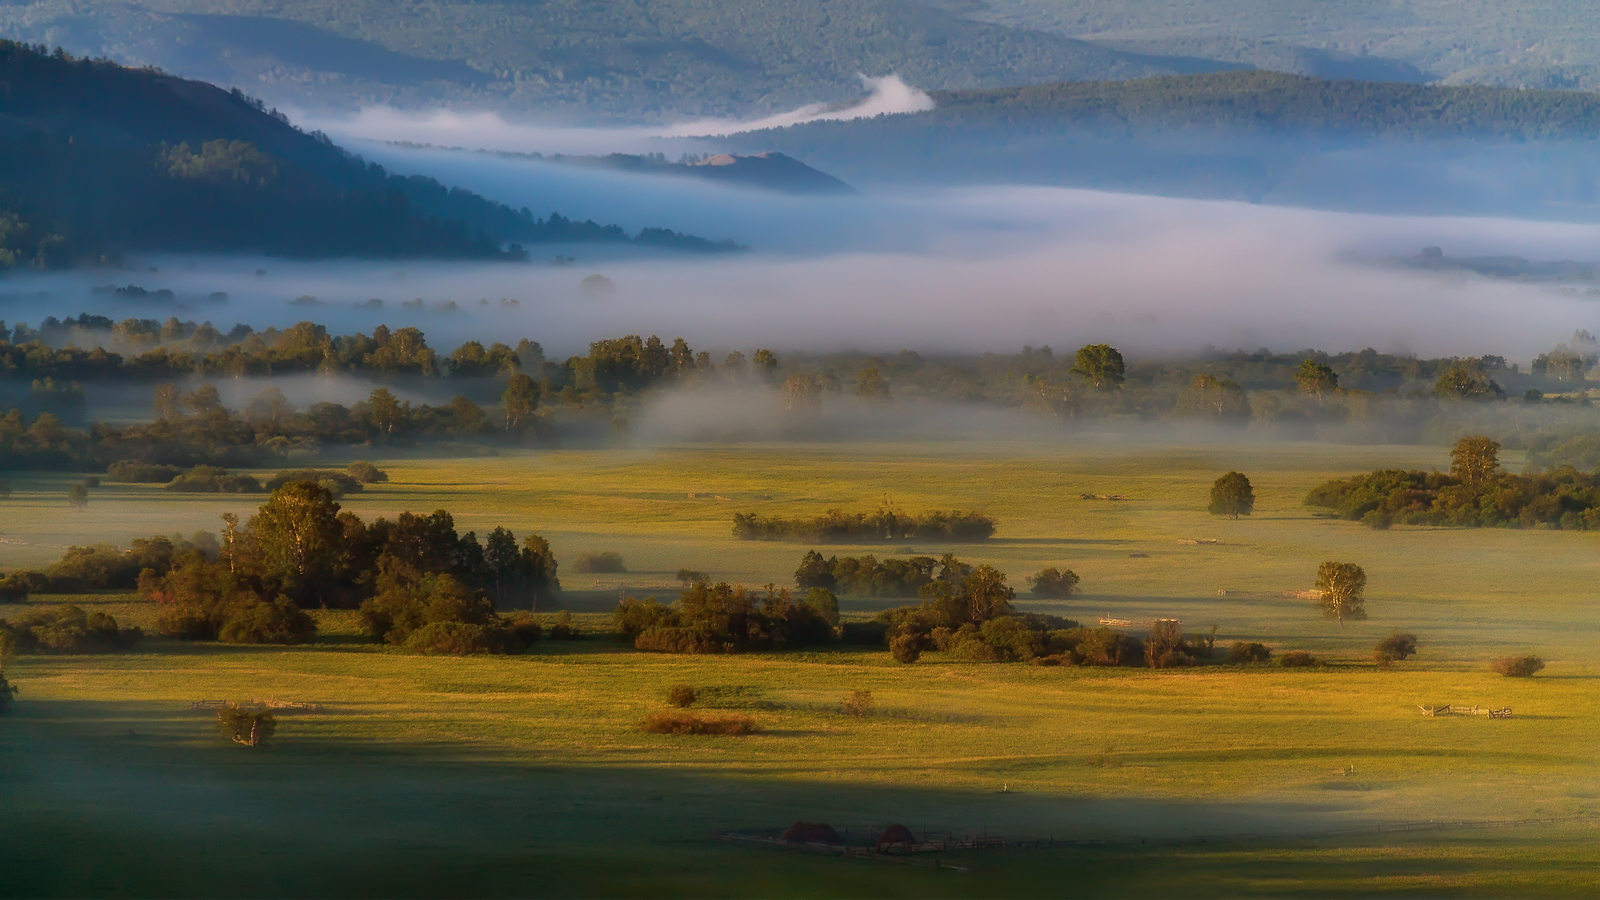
(334, 481)
(601, 563)
(91, 481)
(251, 728)
(15, 588)
(681, 696)
(128, 471)
(456, 639)
(1518, 666)
(7, 691)
(213, 480)
(8, 645)
(525, 629)
(564, 630)
(1244, 652)
(1297, 659)
(690, 576)
(366, 473)
(674, 722)
(906, 648)
(858, 703)
(1394, 648)
(1055, 583)
(259, 622)
(633, 617)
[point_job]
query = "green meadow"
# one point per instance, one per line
(528, 775)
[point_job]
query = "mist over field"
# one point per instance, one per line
(965, 269)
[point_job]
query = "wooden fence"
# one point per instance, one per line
(1466, 711)
(259, 704)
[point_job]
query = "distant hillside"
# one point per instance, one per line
(96, 158)
(645, 59)
(1258, 136)
(771, 170)
(1492, 42)
(1272, 100)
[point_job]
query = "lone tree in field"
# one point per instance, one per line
(1100, 365)
(520, 401)
(250, 728)
(1232, 496)
(1316, 379)
(6, 693)
(1474, 460)
(78, 497)
(1342, 585)
(801, 394)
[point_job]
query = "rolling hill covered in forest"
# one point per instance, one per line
(97, 158)
(1253, 135)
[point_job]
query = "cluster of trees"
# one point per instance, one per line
(884, 525)
(1476, 492)
(65, 629)
(870, 577)
(302, 548)
(721, 618)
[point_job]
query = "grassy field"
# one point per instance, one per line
(528, 775)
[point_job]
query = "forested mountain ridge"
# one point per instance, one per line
(1274, 100)
(97, 158)
(641, 59)
(1256, 136)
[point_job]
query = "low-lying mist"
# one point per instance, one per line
(970, 270)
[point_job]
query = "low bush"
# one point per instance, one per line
(677, 722)
(858, 703)
(366, 473)
(601, 563)
(15, 588)
(213, 480)
(1055, 583)
(690, 576)
(1245, 652)
(1518, 666)
(564, 630)
(524, 628)
(680, 696)
(906, 648)
(1297, 659)
(456, 639)
(1394, 648)
(131, 472)
(260, 622)
(335, 481)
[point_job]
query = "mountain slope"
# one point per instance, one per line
(1257, 136)
(107, 158)
(640, 58)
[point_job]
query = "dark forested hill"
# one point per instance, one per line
(96, 158)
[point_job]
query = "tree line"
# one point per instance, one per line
(883, 525)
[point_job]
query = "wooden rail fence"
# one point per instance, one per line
(1466, 711)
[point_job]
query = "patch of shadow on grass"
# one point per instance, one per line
(1057, 542)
